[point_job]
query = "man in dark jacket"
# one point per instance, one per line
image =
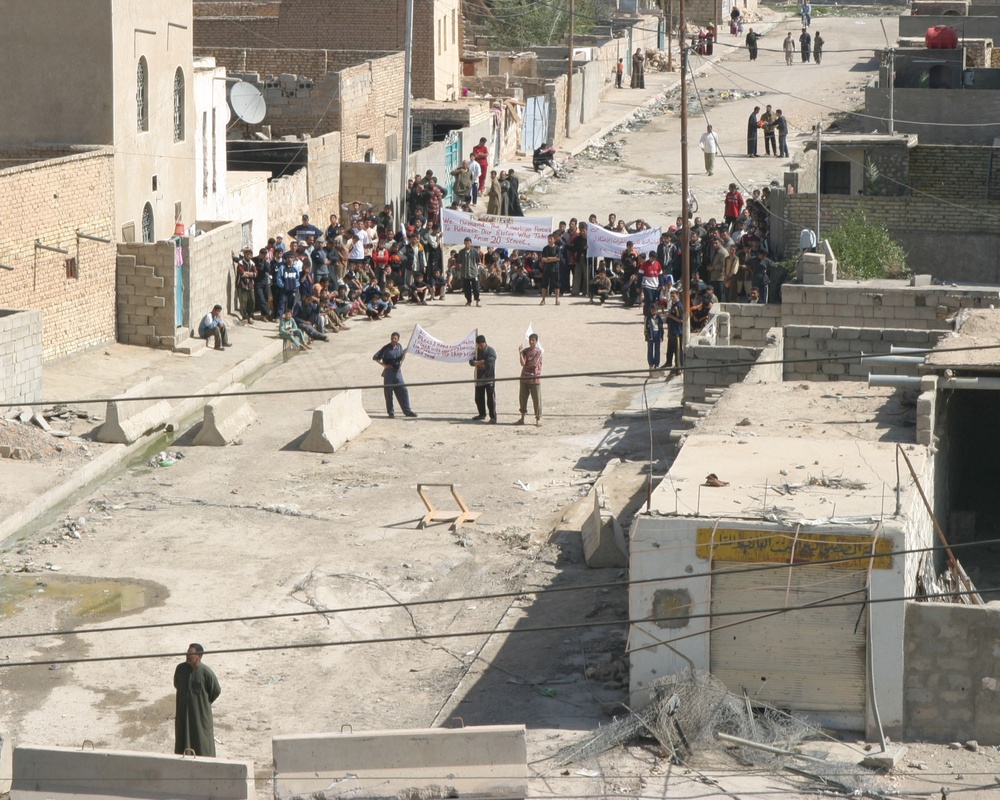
(485, 362)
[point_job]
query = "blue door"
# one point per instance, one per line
(452, 161)
(535, 125)
(179, 296)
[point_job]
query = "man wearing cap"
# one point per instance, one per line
(287, 281)
(485, 362)
(246, 276)
(304, 229)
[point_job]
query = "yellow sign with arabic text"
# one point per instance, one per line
(787, 547)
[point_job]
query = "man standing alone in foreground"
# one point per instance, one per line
(485, 362)
(531, 371)
(197, 688)
(390, 358)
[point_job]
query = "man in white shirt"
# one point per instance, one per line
(709, 142)
(361, 246)
(475, 171)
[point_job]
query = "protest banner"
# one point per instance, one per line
(610, 244)
(423, 345)
(487, 230)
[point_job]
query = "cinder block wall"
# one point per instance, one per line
(715, 368)
(287, 201)
(821, 342)
(749, 323)
(20, 356)
(951, 690)
(146, 311)
(212, 275)
(48, 201)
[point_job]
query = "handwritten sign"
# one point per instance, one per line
(423, 345)
(784, 547)
(609, 244)
(488, 230)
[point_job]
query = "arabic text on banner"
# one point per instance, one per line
(609, 244)
(485, 230)
(423, 345)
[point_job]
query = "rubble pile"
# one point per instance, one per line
(26, 435)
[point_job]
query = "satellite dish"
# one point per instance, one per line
(247, 102)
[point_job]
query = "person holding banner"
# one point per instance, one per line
(530, 386)
(469, 259)
(390, 358)
(485, 362)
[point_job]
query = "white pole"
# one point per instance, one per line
(407, 122)
(819, 173)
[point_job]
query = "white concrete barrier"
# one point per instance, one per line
(603, 537)
(226, 417)
(336, 423)
(132, 414)
(489, 761)
(63, 773)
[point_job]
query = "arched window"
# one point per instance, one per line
(142, 95)
(148, 231)
(179, 105)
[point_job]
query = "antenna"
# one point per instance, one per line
(247, 102)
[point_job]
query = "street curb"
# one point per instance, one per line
(107, 461)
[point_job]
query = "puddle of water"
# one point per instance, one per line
(89, 598)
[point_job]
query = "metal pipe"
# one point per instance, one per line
(725, 737)
(893, 361)
(896, 350)
(894, 381)
(992, 384)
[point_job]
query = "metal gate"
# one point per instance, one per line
(452, 161)
(535, 125)
(806, 660)
(178, 287)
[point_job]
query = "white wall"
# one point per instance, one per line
(210, 175)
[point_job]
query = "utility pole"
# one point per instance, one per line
(819, 166)
(685, 209)
(892, 87)
(670, 35)
(569, 67)
(407, 122)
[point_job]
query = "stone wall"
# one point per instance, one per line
(48, 201)
(146, 307)
(952, 673)
(944, 249)
(20, 356)
(749, 324)
(821, 342)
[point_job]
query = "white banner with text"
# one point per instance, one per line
(487, 230)
(423, 345)
(610, 244)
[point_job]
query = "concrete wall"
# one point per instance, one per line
(714, 368)
(769, 368)
(210, 111)
(210, 276)
(805, 342)
(977, 110)
(20, 356)
(749, 324)
(247, 202)
(287, 201)
(48, 201)
(952, 673)
(945, 250)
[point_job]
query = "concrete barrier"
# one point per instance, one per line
(131, 415)
(226, 417)
(63, 772)
(603, 537)
(489, 761)
(336, 423)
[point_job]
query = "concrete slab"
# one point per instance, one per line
(131, 415)
(226, 418)
(336, 423)
(488, 761)
(63, 773)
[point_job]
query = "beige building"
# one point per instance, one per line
(124, 78)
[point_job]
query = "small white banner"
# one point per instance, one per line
(487, 230)
(423, 345)
(609, 244)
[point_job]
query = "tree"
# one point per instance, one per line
(865, 249)
(523, 23)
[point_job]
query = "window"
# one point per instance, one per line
(215, 163)
(142, 96)
(204, 154)
(835, 177)
(246, 234)
(179, 105)
(72, 269)
(148, 231)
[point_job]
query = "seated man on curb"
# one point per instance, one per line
(214, 326)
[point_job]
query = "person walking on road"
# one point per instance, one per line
(485, 362)
(789, 47)
(530, 386)
(709, 143)
(753, 126)
(818, 47)
(197, 688)
(390, 358)
(751, 41)
(805, 42)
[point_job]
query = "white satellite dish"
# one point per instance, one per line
(247, 102)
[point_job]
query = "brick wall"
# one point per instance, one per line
(20, 356)
(882, 304)
(749, 324)
(146, 311)
(54, 199)
(955, 171)
(287, 201)
(227, 31)
(323, 175)
(808, 342)
(369, 94)
(951, 675)
(944, 246)
(367, 183)
(237, 8)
